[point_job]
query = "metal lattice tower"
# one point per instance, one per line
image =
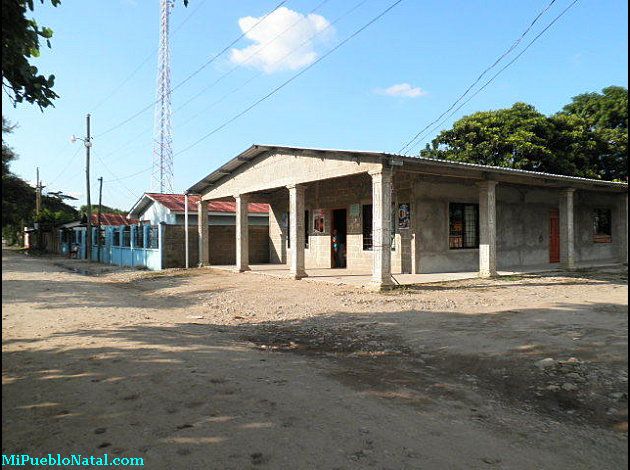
(162, 177)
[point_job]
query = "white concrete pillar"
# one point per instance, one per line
(381, 228)
(202, 227)
(487, 229)
(242, 233)
(622, 213)
(567, 229)
(296, 230)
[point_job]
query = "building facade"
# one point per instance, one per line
(372, 211)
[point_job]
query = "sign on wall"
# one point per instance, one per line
(318, 221)
(404, 215)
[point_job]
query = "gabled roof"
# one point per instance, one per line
(175, 203)
(255, 151)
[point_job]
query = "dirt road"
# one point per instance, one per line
(212, 370)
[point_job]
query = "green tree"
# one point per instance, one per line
(588, 138)
(18, 198)
(606, 115)
(21, 37)
(104, 210)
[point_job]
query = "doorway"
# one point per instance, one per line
(554, 236)
(338, 239)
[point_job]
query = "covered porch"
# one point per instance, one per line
(412, 220)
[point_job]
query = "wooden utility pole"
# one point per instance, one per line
(38, 195)
(88, 145)
(100, 207)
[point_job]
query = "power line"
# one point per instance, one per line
(65, 167)
(560, 15)
(146, 59)
(258, 51)
(288, 54)
(291, 79)
(191, 75)
(482, 74)
(294, 77)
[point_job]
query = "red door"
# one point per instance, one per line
(554, 236)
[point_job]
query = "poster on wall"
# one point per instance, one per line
(404, 215)
(318, 221)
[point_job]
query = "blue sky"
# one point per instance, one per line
(374, 93)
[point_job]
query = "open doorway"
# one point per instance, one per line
(338, 238)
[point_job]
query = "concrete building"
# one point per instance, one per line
(168, 211)
(395, 214)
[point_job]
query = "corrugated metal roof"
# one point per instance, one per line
(256, 150)
(113, 219)
(175, 203)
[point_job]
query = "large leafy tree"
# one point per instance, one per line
(21, 37)
(588, 138)
(606, 115)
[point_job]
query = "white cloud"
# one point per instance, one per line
(403, 89)
(276, 37)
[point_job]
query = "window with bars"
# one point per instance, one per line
(126, 236)
(98, 236)
(138, 237)
(116, 237)
(153, 237)
(602, 226)
(463, 226)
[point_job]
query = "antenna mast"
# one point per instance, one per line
(162, 176)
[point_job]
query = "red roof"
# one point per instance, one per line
(113, 219)
(175, 202)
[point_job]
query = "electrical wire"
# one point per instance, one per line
(146, 59)
(560, 15)
(194, 73)
(482, 74)
(294, 77)
(284, 84)
(258, 51)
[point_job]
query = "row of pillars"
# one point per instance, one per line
(381, 220)
(382, 182)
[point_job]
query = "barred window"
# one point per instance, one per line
(153, 237)
(100, 236)
(126, 236)
(138, 238)
(602, 226)
(116, 237)
(463, 231)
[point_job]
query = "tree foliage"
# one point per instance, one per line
(21, 37)
(588, 138)
(18, 198)
(104, 210)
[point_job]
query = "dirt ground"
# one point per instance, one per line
(205, 369)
